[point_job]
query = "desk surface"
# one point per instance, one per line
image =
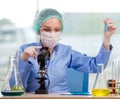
(56, 96)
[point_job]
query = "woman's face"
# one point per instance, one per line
(51, 25)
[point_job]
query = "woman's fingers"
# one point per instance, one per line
(30, 52)
(33, 52)
(110, 26)
(37, 47)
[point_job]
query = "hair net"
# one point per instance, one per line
(44, 15)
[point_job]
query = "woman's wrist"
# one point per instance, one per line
(106, 43)
(24, 57)
(107, 47)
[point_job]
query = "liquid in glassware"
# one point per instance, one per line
(111, 83)
(17, 89)
(101, 92)
(100, 86)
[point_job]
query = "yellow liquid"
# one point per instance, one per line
(100, 92)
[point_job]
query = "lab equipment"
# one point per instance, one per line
(111, 82)
(42, 59)
(106, 27)
(100, 85)
(17, 89)
(117, 87)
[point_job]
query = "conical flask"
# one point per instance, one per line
(100, 84)
(16, 88)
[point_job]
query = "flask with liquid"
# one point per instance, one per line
(100, 85)
(16, 88)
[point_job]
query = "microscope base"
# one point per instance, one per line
(41, 91)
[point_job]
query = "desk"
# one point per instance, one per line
(56, 96)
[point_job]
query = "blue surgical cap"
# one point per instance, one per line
(44, 15)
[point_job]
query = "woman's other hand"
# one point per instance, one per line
(109, 30)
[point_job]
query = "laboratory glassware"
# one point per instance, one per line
(17, 88)
(100, 85)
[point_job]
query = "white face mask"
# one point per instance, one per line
(50, 39)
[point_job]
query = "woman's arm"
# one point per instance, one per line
(82, 62)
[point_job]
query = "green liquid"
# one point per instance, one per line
(17, 88)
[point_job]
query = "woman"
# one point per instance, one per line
(49, 24)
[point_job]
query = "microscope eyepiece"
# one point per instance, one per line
(43, 56)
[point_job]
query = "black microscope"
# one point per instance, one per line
(42, 58)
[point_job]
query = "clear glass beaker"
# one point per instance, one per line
(111, 82)
(100, 85)
(117, 87)
(16, 88)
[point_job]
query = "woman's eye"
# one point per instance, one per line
(47, 30)
(57, 30)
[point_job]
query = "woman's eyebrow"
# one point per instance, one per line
(46, 26)
(58, 27)
(51, 27)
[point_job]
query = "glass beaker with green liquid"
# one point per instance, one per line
(100, 85)
(17, 89)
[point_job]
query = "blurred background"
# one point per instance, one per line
(83, 27)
